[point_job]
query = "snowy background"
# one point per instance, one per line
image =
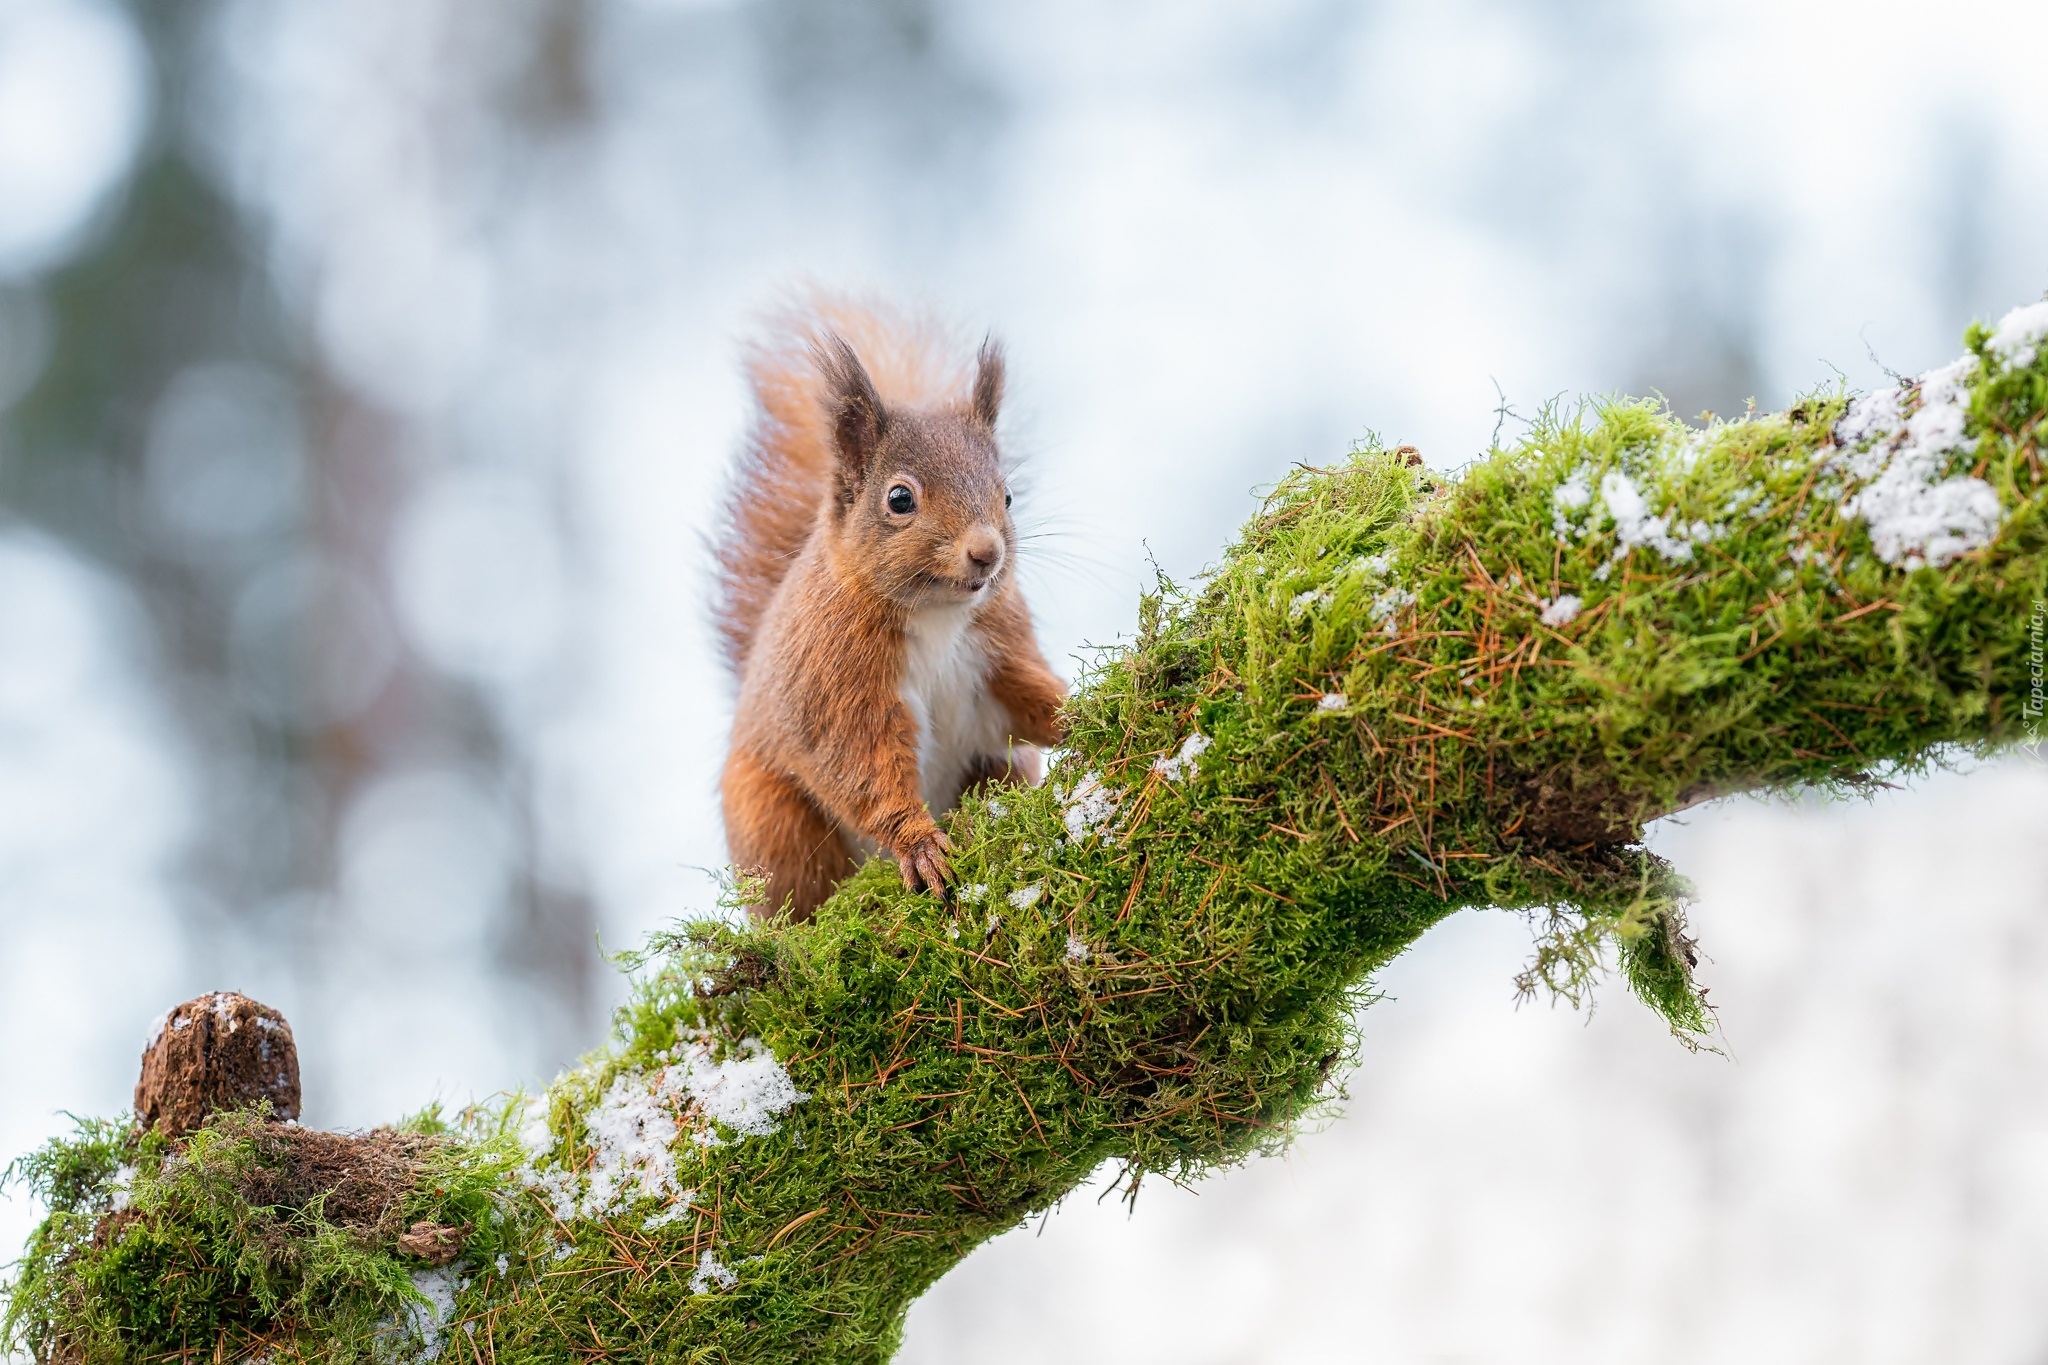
(366, 382)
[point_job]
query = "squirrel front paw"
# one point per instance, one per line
(922, 858)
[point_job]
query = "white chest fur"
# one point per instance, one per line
(945, 686)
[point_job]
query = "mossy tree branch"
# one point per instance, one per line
(1397, 695)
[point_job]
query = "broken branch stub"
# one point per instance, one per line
(220, 1051)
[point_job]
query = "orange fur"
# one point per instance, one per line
(885, 658)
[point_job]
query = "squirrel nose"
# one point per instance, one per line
(984, 551)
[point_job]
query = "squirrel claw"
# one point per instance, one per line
(923, 863)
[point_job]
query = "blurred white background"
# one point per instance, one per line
(367, 377)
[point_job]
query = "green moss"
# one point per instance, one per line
(1399, 724)
(154, 1250)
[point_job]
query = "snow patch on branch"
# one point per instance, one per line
(536, 1134)
(1387, 607)
(674, 1213)
(1878, 416)
(1634, 525)
(1307, 601)
(633, 1132)
(1569, 499)
(429, 1320)
(1184, 761)
(1897, 444)
(1088, 807)
(712, 1272)
(1620, 503)
(2020, 333)
(119, 1187)
(747, 1093)
(1691, 446)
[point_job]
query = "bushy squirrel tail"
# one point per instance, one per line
(784, 475)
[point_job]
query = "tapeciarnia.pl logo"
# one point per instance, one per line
(2036, 673)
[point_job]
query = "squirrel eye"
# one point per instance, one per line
(902, 501)
(1006, 499)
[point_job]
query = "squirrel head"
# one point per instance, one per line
(920, 506)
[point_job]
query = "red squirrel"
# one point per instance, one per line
(870, 607)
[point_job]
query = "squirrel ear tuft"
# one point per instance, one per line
(988, 383)
(858, 417)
